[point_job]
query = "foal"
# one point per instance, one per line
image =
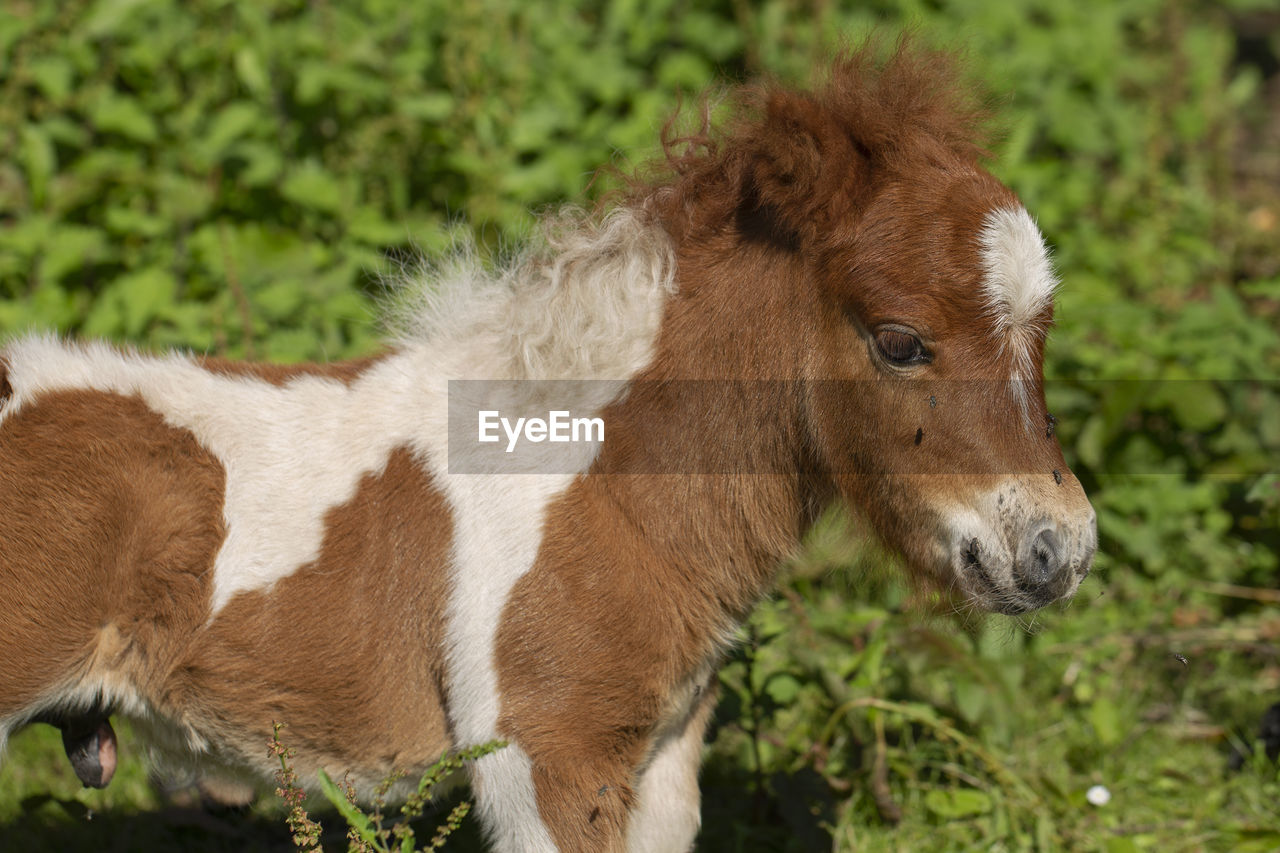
(828, 299)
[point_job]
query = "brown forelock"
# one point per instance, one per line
(109, 522)
(281, 374)
(347, 650)
(807, 160)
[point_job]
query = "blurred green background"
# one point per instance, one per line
(237, 177)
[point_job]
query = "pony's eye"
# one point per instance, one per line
(900, 347)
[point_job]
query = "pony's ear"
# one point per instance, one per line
(801, 170)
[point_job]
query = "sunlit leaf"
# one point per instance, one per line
(957, 803)
(114, 113)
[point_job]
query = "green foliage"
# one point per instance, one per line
(234, 172)
(230, 176)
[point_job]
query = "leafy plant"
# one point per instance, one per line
(367, 831)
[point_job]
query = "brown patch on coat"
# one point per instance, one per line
(281, 374)
(347, 651)
(109, 522)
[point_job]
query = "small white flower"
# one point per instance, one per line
(1098, 795)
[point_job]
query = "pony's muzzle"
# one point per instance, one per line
(1043, 563)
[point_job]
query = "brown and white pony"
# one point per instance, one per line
(828, 299)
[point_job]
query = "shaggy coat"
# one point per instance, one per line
(828, 299)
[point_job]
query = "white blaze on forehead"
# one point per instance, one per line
(1019, 280)
(1018, 285)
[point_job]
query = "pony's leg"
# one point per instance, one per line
(668, 812)
(502, 784)
(575, 797)
(579, 799)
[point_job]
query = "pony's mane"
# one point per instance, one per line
(582, 300)
(792, 150)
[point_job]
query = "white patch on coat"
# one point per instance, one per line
(1018, 285)
(592, 312)
(503, 785)
(668, 814)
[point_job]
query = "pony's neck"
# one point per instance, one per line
(718, 415)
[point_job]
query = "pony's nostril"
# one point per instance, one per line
(1044, 555)
(1040, 559)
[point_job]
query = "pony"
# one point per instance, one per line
(824, 299)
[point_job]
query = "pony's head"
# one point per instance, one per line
(912, 294)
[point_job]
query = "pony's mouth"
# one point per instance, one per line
(1010, 599)
(1044, 564)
